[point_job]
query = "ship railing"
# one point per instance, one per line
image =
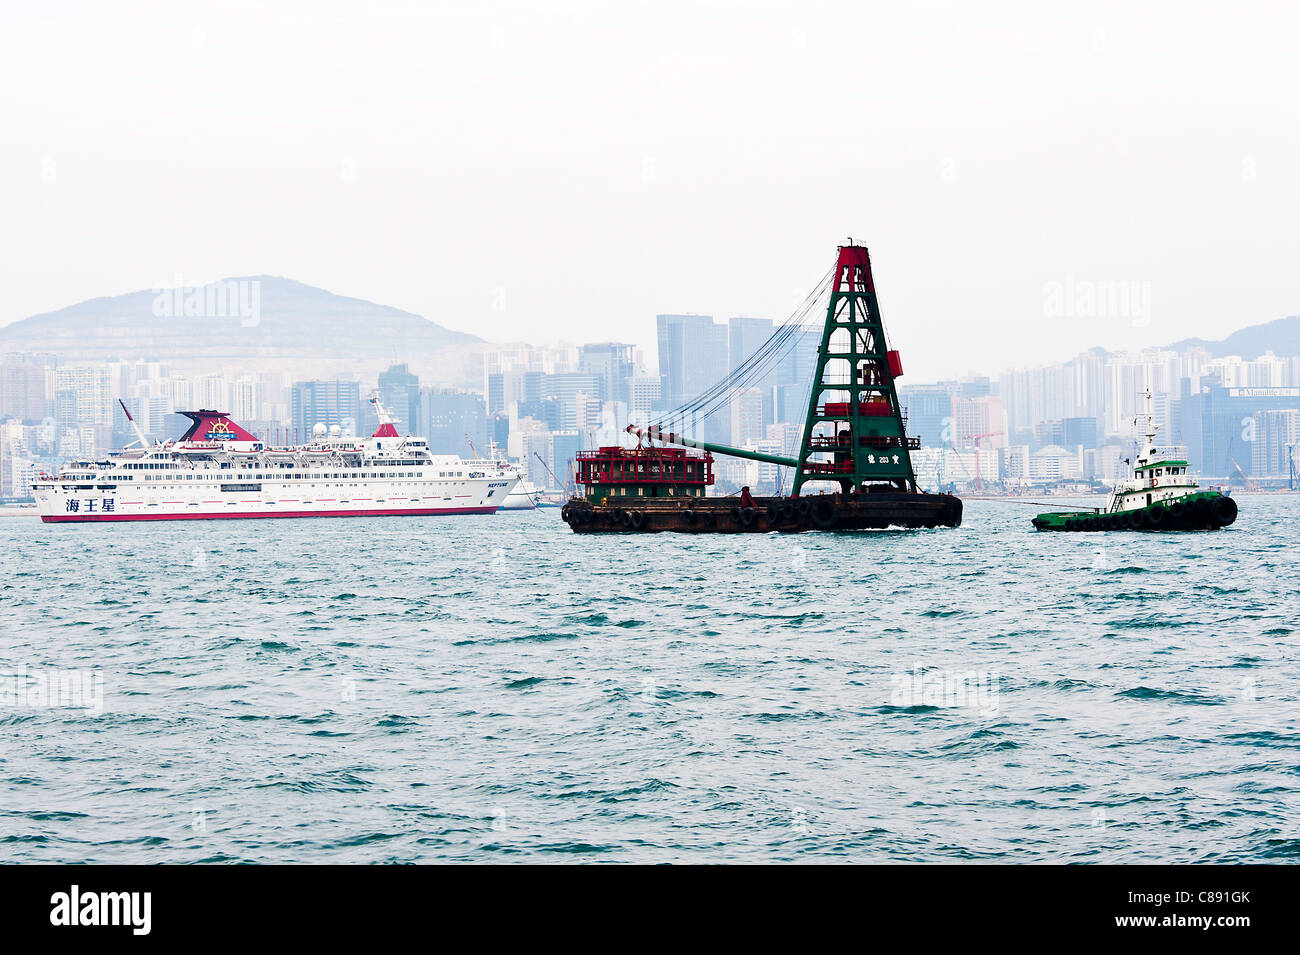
(833, 443)
(1176, 451)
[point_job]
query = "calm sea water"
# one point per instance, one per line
(497, 688)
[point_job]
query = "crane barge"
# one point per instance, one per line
(854, 439)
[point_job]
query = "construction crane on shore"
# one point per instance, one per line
(979, 483)
(1250, 485)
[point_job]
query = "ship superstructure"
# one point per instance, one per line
(218, 470)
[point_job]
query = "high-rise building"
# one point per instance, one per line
(566, 389)
(450, 420)
(1274, 449)
(613, 363)
(399, 391)
(22, 389)
(929, 415)
(324, 402)
(1219, 425)
(496, 392)
(794, 372)
(747, 427)
(85, 395)
(745, 336)
(645, 394)
(979, 419)
(692, 358)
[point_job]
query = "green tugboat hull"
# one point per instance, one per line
(1202, 511)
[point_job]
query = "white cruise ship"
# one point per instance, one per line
(218, 470)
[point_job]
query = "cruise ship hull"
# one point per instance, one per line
(316, 496)
(268, 513)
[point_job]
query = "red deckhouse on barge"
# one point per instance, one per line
(218, 470)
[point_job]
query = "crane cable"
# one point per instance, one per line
(756, 366)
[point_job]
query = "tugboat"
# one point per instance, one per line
(1161, 495)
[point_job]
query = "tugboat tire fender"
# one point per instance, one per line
(1225, 510)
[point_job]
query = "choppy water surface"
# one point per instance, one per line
(496, 688)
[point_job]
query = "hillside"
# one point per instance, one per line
(257, 319)
(1280, 336)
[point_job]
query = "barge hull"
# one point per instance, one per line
(713, 515)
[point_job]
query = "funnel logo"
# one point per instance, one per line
(221, 432)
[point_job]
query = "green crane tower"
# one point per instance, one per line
(855, 434)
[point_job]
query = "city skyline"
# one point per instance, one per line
(811, 319)
(1047, 424)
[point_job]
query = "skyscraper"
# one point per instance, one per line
(85, 395)
(613, 363)
(747, 428)
(929, 415)
(567, 388)
(399, 390)
(1273, 450)
(692, 357)
(447, 417)
(22, 389)
(979, 419)
(325, 402)
(744, 337)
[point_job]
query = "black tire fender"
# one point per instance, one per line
(823, 515)
(1225, 510)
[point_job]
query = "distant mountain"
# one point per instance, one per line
(257, 319)
(1281, 336)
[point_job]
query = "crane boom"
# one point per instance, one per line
(657, 434)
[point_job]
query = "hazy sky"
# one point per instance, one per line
(559, 171)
